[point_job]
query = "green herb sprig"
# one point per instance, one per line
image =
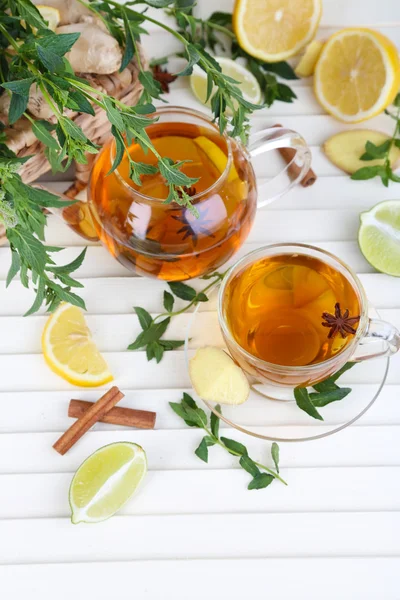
(154, 329)
(216, 31)
(326, 391)
(194, 416)
(373, 152)
(32, 57)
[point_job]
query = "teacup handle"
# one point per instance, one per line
(273, 139)
(382, 337)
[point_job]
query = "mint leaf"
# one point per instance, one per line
(181, 412)
(366, 173)
(17, 107)
(144, 317)
(42, 133)
(249, 465)
(234, 447)
(181, 290)
(324, 398)
(260, 481)
(303, 401)
(275, 455)
(168, 301)
(151, 334)
(171, 344)
(202, 450)
(214, 421)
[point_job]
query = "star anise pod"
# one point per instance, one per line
(339, 323)
(163, 77)
(190, 191)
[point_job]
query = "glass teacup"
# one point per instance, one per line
(293, 315)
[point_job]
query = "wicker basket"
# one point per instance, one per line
(124, 86)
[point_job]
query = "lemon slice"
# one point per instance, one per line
(379, 237)
(50, 14)
(357, 74)
(105, 481)
(274, 30)
(69, 350)
(216, 155)
(247, 82)
(308, 61)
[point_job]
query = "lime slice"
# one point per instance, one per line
(248, 83)
(379, 237)
(105, 481)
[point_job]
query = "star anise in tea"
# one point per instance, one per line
(192, 226)
(339, 323)
(163, 77)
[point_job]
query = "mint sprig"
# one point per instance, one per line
(326, 391)
(153, 329)
(373, 152)
(194, 416)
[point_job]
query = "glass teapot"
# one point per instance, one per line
(167, 241)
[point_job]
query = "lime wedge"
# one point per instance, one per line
(379, 237)
(248, 83)
(105, 481)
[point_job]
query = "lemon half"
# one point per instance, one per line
(274, 30)
(357, 74)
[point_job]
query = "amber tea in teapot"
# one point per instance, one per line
(166, 240)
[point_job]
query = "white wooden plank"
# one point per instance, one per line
(182, 492)
(47, 411)
(113, 333)
(99, 263)
(119, 294)
(241, 578)
(166, 450)
(132, 370)
(202, 536)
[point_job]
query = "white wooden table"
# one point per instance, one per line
(194, 531)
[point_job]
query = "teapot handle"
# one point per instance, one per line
(273, 139)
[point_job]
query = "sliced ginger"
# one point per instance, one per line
(344, 149)
(216, 378)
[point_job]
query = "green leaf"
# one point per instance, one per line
(19, 86)
(155, 350)
(49, 59)
(181, 290)
(233, 446)
(14, 268)
(171, 344)
(373, 152)
(261, 481)
(40, 297)
(173, 175)
(78, 101)
(70, 267)
(283, 69)
(325, 386)
(59, 43)
(366, 173)
(113, 114)
(275, 455)
(181, 412)
(168, 301)
(30, 13)
(188, 400)
(214, 421)
(145, 318)
(17, 107)
(341, 371)
(42, 133)
(303, 401)
(119, 149)
(66, 295)
(193, 57)
(324, 398)
(396, 101)
(151, 334)
(150, 85)
(201, 297)
(202, 451)
(249, 465)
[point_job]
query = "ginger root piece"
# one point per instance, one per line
(95, 51)
(306, 66)
(71, 11)
(344, 149)
(216, 378)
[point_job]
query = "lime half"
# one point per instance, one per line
(105, 481)
(247, 82)
(379, 237)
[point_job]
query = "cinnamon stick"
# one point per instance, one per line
(88, 419)
(287, 154)
(130, 417)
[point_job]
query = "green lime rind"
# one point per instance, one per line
(379, 237)
(105, 481)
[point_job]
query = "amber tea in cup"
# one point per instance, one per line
(292, 315)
